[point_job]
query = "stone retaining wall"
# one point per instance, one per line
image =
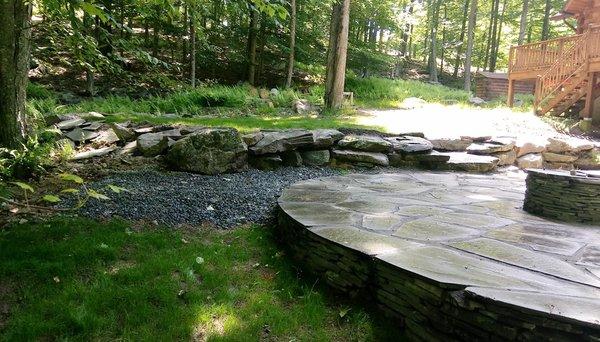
(425, 309)
(562, 196)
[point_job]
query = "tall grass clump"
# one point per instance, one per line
(381, 92)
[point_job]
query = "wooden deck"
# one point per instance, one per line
(565, 71)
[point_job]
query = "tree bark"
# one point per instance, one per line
(192, 14)
(470, 40)
(433, 74)
(459, 49)
(546, 24)
(290, 70)
(252, 28)
(15, 34)
(523, 24)
(336, 55)
(494, 58)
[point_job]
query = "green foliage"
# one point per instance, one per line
(381, 93)
(78, 279)
(31, 160)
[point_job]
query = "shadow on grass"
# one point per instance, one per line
(82, 279)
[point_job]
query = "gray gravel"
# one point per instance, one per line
(174, 198)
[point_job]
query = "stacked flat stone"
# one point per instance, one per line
(562, 196)
(448, 256)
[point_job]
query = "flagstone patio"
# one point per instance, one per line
(450, 255)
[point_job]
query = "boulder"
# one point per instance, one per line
(92, 126)
(303, 107)
(530, 161)
(152, 144)
(281, 141)
(555, 145)
(266, 162)
(477, 101)
(252, 139)
(471, 163)
(558, 158)
(210, 151)
(412, 103)
(316, 158)
(124, 133)
(325, 138)
(409, 144)
(451, 145)
(107, 136)
(506, 158)
(367, 143)
(351, 156)
(291, 158)
(70, 124)
(589, 160)
(559, 166)
(528, 146)
(81, 135)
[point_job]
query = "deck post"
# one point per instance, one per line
(588, 110)
(510, 101)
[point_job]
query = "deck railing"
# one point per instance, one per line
(538, 56)
(568, 65)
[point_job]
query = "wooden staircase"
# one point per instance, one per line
(566, 81)
(566, 71)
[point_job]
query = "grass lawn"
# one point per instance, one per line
(78, 279)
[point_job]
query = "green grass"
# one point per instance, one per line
(77, 279)
(249, 123)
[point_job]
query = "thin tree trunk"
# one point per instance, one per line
(470, 41)
(459, 49)
(443, 41)
(492, 38)
(489, 35)
(184, 46)
(523, 25)
(192, 46)
(290, 70)
(433, 74)
(15, 40)
(252, 28)
(546, 23)
(494, 58)
(336, 55)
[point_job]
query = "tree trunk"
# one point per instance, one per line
(192, 12)
(433, 74)
(15, 34)
(184, 46)
(546, 24)
(459, 49)
(336, 55)
(290, 70)
(252, 28)
(523, 25)
(443, 41)
(470, 40)
(494, 58)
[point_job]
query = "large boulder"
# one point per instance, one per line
(281, 141)
(210, 151)
(325, 138)
(361, 157)
(409, 144)
(252, 139)
(366, 143)
(152, 144)
(316, 158)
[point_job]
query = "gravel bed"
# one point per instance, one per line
(175, 198)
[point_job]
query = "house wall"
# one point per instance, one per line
(489, 88)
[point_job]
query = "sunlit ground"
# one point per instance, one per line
(448, 121)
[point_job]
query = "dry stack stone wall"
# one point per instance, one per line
(562, 196)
